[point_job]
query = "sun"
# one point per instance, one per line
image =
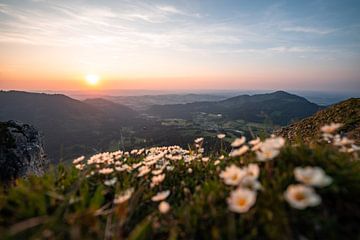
(92, 79)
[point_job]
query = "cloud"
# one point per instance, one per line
(301, 29)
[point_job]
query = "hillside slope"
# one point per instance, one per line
(279, 107)
(346, 112)
(68, 125)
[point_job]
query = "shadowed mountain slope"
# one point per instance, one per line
(346, 112)
(279, 107)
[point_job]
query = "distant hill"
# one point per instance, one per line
(144, 102)
(111, 109)
(346, 112)
(279, 107)
(68, 125)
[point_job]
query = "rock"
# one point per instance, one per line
(21, 151)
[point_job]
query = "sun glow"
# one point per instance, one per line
(92, 79)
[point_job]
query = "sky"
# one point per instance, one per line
(182, 44)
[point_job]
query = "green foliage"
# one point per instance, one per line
(67, 204)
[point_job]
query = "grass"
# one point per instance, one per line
(66, 204)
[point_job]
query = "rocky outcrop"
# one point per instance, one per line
(308, 129)
(21, 151)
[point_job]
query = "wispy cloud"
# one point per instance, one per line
(301, 29)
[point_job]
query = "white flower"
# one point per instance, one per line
(124, 196)
(252, 170)
(250, 183)
(343, 141)
(157, 172)
(110, 182)
(205, 159)
(238, 142)
(221, 136)
(164, 207)
(241, 200)
(122, 168)
(78, 160)
(143, 171)
(221, 157)
(255, 141)
(232, 175)
(256, 147)
(156, 180)
(190, 170)
(198, 140)
(239, 151)
(313, 176)
(106, 171)
(217, 162)
(274, 142)
(161, 196)
(300, 196)
(80, 166)
(332, 127)
(269, 149)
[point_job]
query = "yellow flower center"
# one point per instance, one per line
(241, 202)
(299, 196)
(234, 177)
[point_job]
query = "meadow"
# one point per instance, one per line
(261, 189)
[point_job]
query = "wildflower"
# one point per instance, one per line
(269, 149)
(312, 176)
(238, 152)
(198, 140)
(190, 170)
(232, 175)
(342, 141)
(157, 172)
(241, 200)
(80, 166)
(122, 168)
(252, 170)
(274, 142)
(250, 183)
(267, 154)
(217, 162)
(164, 207)
(300, 196)
(125, 196)
(161, 196)
(238, 142)
(170, 168)
(156, 180)
(221, 157)
(255, 141)
(256, 147)
(106, 171)
(332, 127)
(205, 159)
(136, 165)
(143, 171)
(221, 136)
(110, 182)
(78, 160)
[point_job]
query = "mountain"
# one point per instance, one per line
(278, 108)
(346, 112)
(144, 102)
(68, 125)
(111, 109)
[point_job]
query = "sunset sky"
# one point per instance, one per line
(184, 44)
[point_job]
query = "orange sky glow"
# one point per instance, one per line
(54, 45)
